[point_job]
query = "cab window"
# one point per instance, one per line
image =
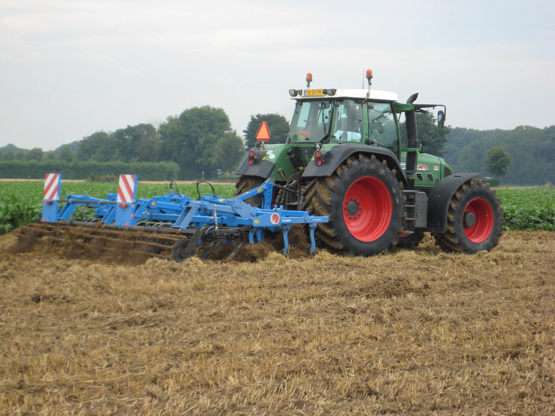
(347, 123)
(311, 121)
(382, 126)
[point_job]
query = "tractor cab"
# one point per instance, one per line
(337, 116)
(344, 119)
(328, 120)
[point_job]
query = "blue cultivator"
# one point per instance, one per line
(175, 221)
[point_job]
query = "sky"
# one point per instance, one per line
(71, 68)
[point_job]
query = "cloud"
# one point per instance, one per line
(80, 66)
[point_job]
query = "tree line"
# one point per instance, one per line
(200, 142)
(522, 156)
(530, 150)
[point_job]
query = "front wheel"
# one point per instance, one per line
(364, 203)
(474, 220)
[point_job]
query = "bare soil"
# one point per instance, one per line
(135, 247)
(411, 332)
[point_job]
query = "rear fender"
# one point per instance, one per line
(272, 162)
(440, 197)
(338, 153)
(262, 168)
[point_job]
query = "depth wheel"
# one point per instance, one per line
(474, 220)
(364, 203)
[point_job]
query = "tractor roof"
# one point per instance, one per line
(310, 94)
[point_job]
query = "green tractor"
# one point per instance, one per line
(345, 159)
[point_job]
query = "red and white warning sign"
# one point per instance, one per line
(51, 186)
(126, 189)
(263, 134)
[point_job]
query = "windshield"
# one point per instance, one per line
(311, 121)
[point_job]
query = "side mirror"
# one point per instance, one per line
(440, 119)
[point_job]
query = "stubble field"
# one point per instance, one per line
(410, 332)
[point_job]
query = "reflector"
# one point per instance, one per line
(263, 134)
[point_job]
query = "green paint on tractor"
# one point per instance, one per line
(346, 158)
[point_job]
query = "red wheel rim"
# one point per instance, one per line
(481, 230)
(367, 209)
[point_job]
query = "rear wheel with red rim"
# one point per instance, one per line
(367, 209)
(364, 203)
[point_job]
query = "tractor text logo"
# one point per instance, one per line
(274, 219)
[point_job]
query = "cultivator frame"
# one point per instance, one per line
(178, 220)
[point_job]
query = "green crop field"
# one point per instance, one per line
(21, 202)
(528, 209)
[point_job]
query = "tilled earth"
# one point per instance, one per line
(410, 332)
(136, 247)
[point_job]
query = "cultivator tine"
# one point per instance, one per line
(312, 228)
(255, 232)
(234, 252)
(286, 229)
(244, 237)
(206, 253)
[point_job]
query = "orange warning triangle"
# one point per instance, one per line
(263, 134)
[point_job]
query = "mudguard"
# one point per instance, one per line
(337, 154)
(440, 197)
(261, 168)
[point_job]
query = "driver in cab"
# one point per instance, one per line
(349, 123)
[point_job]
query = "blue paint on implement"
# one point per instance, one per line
(211, 218)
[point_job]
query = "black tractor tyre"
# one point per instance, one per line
(246, 183)
(474, 220)
(364, 202)
(410, 240)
